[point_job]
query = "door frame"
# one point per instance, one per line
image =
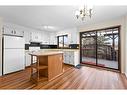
(119, 47)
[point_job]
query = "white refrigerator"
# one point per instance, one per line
(0, 55)
(14, 54)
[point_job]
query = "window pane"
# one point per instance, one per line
(66, 41)
(60, 41)
(63, 41)
(107, 48)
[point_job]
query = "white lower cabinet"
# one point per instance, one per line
(71, 57)
(27, 59)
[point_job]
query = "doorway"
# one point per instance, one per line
(101, 48)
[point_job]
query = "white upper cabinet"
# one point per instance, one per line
(30, 35)
(27, 37)
(12, 31)
(35, 37)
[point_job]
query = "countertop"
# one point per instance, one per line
(56, 50)
(61, 49)
(45, 53)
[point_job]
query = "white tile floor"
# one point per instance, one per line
(107, 63)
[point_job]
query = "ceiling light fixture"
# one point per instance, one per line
(48, 27)
(83, 12)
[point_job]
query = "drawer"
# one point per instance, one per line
(71, 53)
(71, 60)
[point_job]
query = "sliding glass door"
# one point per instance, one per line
(107, 48)
(100, 48)
(88, 48)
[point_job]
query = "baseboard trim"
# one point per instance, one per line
(94, 66)
(27, 66)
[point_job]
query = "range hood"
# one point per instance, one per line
(35, 43)
(32, 41)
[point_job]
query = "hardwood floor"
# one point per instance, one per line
(72, 78)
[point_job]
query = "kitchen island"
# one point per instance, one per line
(46, 65)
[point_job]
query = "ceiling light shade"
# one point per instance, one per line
(51, 27)
(83, 12)
(48, 27)
(45, 27)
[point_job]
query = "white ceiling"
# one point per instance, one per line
(61, 17)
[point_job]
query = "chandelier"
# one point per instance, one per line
(83, 12)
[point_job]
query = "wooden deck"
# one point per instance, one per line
(72, 78)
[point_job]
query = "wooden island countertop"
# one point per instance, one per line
(46, 65)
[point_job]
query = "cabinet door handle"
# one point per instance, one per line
(14, 32)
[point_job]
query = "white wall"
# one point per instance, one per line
(1, 46)
(126, 48)
(53, 38)
(73, 35)
(115, 22)
(45, 37)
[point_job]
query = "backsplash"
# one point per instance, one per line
(26, 46)
(74, 46)
(48, 46)
(45, 46)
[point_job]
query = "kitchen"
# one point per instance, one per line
(44, 37)
(32, 40)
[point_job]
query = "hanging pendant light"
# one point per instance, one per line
(84, 11)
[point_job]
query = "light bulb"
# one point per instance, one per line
(45, 27)
(77, 13)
